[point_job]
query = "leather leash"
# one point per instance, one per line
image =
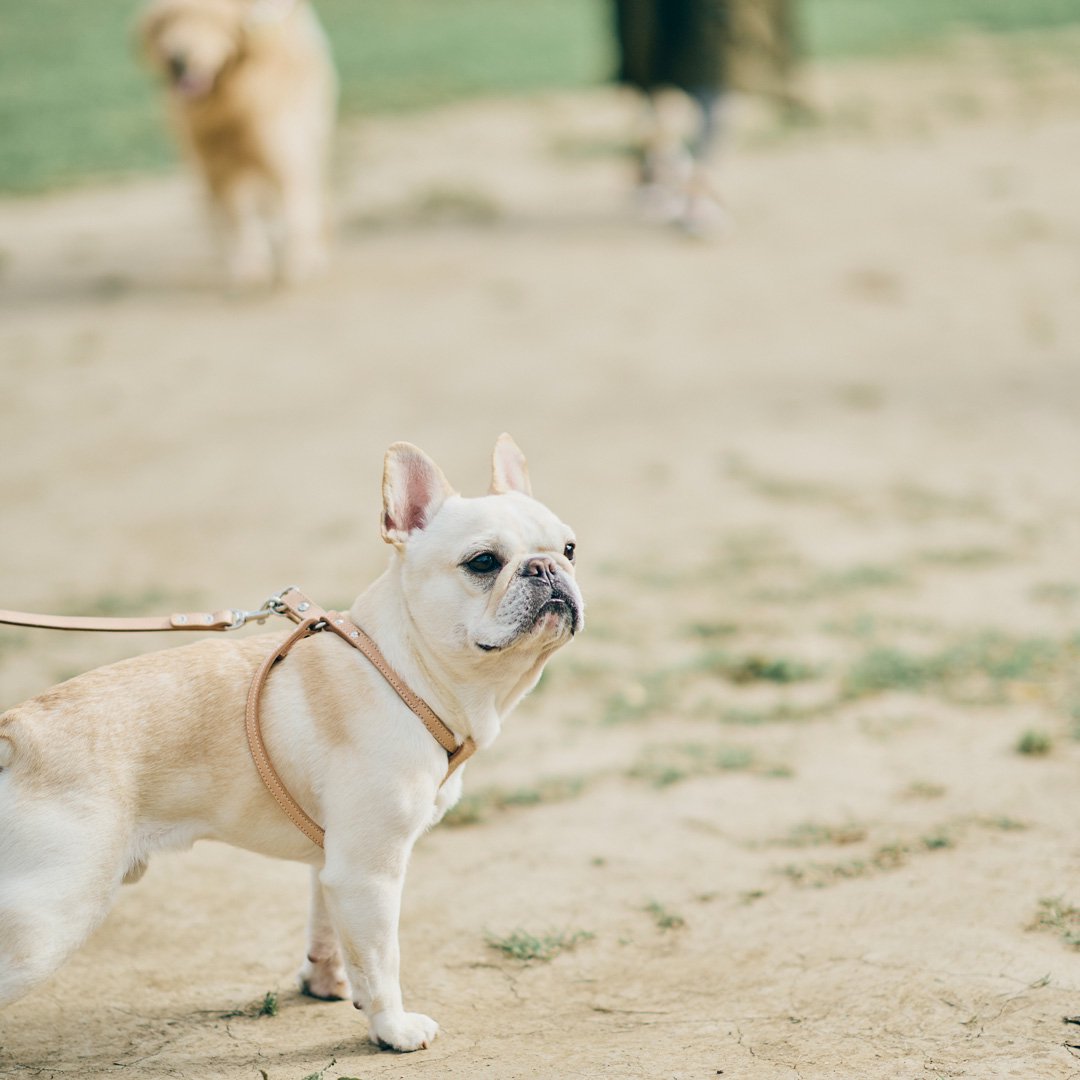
(189, 620)
(310, 619)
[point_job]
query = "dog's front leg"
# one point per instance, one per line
(363, 897)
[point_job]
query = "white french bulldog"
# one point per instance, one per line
(150, 753)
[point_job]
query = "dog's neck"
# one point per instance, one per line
(474, 704)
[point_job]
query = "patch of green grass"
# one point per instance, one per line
(476, 807)
(937, 840)
(755, 667)
(267, 1005)
(1004, 823)
(521, 945)
(74, 103)
(988, 658)
(965, 557)
(1034, 743)
(663, 766)
(859, 27)
(924, 789)
(811, 834)
(664, 919)
(1058, 917)
(882, 859)
(321, 1073)
(917, 503)
(711, 630)
(818, 875)
(790, 489)
(886, 668)
(857, 578)
(1063, 593)
(782, 712)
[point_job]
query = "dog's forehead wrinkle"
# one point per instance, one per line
(512, 521)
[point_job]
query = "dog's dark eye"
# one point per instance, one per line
(569, 550)
(484, 563)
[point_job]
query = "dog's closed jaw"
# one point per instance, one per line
(540, 598)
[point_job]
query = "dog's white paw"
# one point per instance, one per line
(403, 1031)
(325, 979)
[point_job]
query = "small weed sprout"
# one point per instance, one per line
(937, 840)
(321, 1073)
(665, 920)
(1058, 917)
(1034, 743)
(521, 945)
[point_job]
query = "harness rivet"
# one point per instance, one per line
(181, 618)
(339, 622)
(303, 607)
(208, 619)
(354, 633)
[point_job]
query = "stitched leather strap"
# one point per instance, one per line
(311, 619)
(189, 620)
(274, 784)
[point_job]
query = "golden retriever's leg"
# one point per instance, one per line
(249, 257)
(304, 252)
(323, 972)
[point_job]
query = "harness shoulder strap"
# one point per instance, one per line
(310, 619)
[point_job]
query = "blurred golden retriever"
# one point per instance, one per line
(252, 92)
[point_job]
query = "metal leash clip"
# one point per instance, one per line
(272, 605)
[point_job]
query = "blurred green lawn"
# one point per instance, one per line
(74, 103)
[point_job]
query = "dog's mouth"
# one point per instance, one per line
(560, 611)
(191, 85)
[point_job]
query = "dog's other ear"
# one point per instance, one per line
(150, 21)
(413, 490)
(509, 469)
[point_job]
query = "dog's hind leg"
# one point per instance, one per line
(323, 973)
(61, 863)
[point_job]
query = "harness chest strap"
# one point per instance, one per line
(312, 619)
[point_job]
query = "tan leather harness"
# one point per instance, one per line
(310, 619)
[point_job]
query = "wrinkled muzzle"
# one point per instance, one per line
(543, 601)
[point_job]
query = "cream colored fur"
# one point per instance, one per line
(102, 771)
(252, 93)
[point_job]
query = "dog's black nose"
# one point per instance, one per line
(541, 567)
(177, 66)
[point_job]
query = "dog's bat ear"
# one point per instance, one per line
(413, 490)
(509, 469)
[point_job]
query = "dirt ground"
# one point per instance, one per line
(824, 478)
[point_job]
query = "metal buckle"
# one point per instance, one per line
(272, 605)
(275, 603)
